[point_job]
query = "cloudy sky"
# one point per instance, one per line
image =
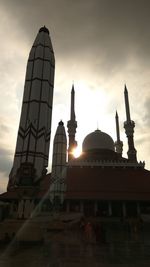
(98, 44)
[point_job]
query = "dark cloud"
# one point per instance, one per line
(100, 37)
(107, 31)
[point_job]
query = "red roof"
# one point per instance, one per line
(15, 193)
(9, 195)
(108, 183)
(99, 183)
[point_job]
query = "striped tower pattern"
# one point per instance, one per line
(32, 148)
(57, 187)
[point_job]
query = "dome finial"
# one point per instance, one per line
(97, 125)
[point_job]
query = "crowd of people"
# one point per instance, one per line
(98, 232)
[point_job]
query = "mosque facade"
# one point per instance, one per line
(100, 182)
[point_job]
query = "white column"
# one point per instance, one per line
(95, 208)
(138, 209)
(11, 208)
(58, 185)
(21, 209)
(68, 207)
(27, 209)
(109, 209)
(124, 209)
(81, 206)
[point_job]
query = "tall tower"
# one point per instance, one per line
(72, 125)
(118, 143)
(129, 129)
(58, 174)
(32, 148)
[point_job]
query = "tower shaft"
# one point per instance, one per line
(117, 127)
(118, 143)
(129, 129)
(72, 113)
(58, 174)
(127, 104)
(32, 148)
(72, 125)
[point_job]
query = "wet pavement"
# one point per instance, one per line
(59, 254)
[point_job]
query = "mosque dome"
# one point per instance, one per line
(98, 140)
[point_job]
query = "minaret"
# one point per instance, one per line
(129, 129)
(72, 125)
(118, 143)
(32, 148)
(57, 187)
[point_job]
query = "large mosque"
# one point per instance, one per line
(100, 182)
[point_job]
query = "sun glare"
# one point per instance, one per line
(76, 152)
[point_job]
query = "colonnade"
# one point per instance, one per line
(96, 208)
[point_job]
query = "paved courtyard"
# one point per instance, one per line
(71, 254)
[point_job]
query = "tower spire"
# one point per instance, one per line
(32, 148)
(118, 143)
(129, 129)
(127, 104)
(72, 125)
(117, 127)
(72, 113)
(57, 187)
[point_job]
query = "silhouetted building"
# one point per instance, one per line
(101, 182)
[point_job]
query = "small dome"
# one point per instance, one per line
(98, 140)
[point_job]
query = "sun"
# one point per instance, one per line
(76, 152)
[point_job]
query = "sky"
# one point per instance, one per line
(100, 45)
